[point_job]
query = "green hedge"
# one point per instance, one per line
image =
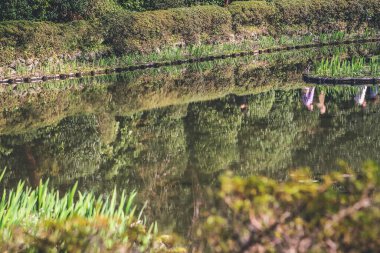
(125, 32)
(69, 10)
(54, 10)
(315, 15)
(252, 13)
(143, 32)
(39, 39)
(146, 31)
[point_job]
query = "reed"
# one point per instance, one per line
(355, 67)
(26, 206)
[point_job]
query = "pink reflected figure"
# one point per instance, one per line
(308, 97)
(360, 97)
(321, 103)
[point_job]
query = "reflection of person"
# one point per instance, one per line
(360, 97)
(308, 97)
(227, 2)
(321, 103)
(243, 104)
(373, 93)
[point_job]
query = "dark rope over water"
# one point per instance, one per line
(347, 81)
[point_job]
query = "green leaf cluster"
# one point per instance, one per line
(258, 214)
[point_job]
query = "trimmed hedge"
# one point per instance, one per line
(69, 10)
(39, 39)
(252, 13)
(126, 32)
(315, 15)
(54, 10)
(146, 31)
(143, 32)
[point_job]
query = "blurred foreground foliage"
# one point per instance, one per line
(42, 220)
(334, 213)
(257, 214)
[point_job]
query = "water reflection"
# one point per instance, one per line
(170, 155)
(374, 93)
(360, 97)
(243, 104)
(321, 102)
(169, 133)
(307, 98)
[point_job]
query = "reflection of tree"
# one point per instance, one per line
(348, 132)
(213, 127)
(31, 166)
(269, 135)
(70, 150)
(150, 155)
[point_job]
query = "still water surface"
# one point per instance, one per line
(169, 133)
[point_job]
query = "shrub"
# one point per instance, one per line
(45, 39)
(144, 32)
(314, 15)
(252, 13)
(165, 4)
(319, 14)
(53, 10)
(258, 214)
(133, 5)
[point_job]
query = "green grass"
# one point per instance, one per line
(355, 67)
(27, 206)
(176, 53)
(43, 220)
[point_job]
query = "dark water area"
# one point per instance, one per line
(169, 134)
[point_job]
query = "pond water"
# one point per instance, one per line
(168, 133)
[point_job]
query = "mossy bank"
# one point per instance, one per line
(120, 32)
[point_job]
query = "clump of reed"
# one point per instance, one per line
(24, 205)
(43, 219)
(355, 67)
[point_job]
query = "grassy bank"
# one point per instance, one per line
(120, 32)
(176, 55)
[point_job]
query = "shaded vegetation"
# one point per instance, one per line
(41, 219)
(150, 131)
(180, 149)
(257, 214)
(242, 214)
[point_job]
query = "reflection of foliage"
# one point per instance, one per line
(349, 132)
(257, 214)
(71, 149)
(32, 106)
(213, 128)
(150, 154)
(267, 141)
(260, 105)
